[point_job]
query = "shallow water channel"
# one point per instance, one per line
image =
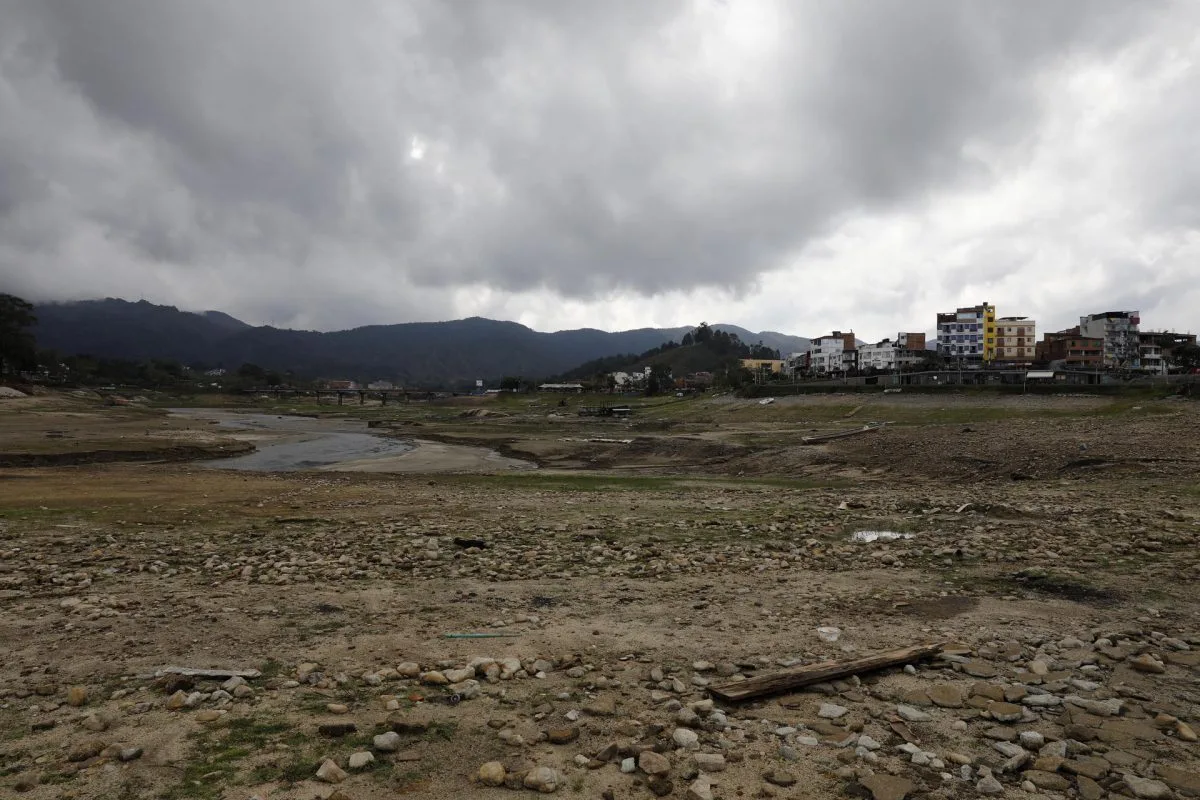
(287, 443)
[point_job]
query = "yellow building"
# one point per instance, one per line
(989, 332)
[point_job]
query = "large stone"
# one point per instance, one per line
(542, 779)
(492, 774)
(979, 669)
(605, 706)
(710, 762)
(360, 759)
(831, 711)
(1005, 712)
(946, 696)
(653, 763)
(780, 778)
(700, 789)
(1088, 788)
(1088, 766)
(1180, 779)
(1147, 789)
(84, 750)
(330, 772)
(1047, 780)
(1147, 663)
(887, 787)
(910, 714)
(388, 742)
(562, 735)
(685, 738)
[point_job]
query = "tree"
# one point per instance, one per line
(510, 383)
(659, 380)
(18, 349)
(252, 372)
(1187, 356)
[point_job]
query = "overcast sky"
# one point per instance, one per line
(796, 165)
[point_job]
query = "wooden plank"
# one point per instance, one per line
(817, 673)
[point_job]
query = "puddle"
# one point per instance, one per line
(866, 537)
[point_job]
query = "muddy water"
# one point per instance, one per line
(288, 443)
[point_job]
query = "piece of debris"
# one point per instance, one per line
(464, 543)
(819, 673)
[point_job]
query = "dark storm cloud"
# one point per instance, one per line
(220, 148)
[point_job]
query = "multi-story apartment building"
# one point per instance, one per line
(1119, 330)
(1157, 349)
(879, 356)
(968, 334)
(907, 350)
(833, 354)
(1016, 339)
(1072, 349)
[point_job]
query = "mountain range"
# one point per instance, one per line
(427, 354)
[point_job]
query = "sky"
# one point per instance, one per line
(798, 166)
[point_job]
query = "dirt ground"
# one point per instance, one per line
(1051, 544)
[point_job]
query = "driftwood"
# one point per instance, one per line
(818, 673)
(830, 437)
(210, 673)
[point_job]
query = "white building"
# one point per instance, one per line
(1119, 330)
(835, 354)
(879, 356)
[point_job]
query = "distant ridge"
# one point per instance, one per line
(449, 354)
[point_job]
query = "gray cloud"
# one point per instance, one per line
(303, 161)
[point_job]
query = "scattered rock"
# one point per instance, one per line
(1147, 663)
(780, 778)
(330, 772)
(653, 763)
(542, 779)
(361, 759)
(887, 787)
(562, 735)
(492, 774)
(388, 742)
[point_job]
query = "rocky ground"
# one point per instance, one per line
(1064, 599)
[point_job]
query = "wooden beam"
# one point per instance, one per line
(817, 673)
